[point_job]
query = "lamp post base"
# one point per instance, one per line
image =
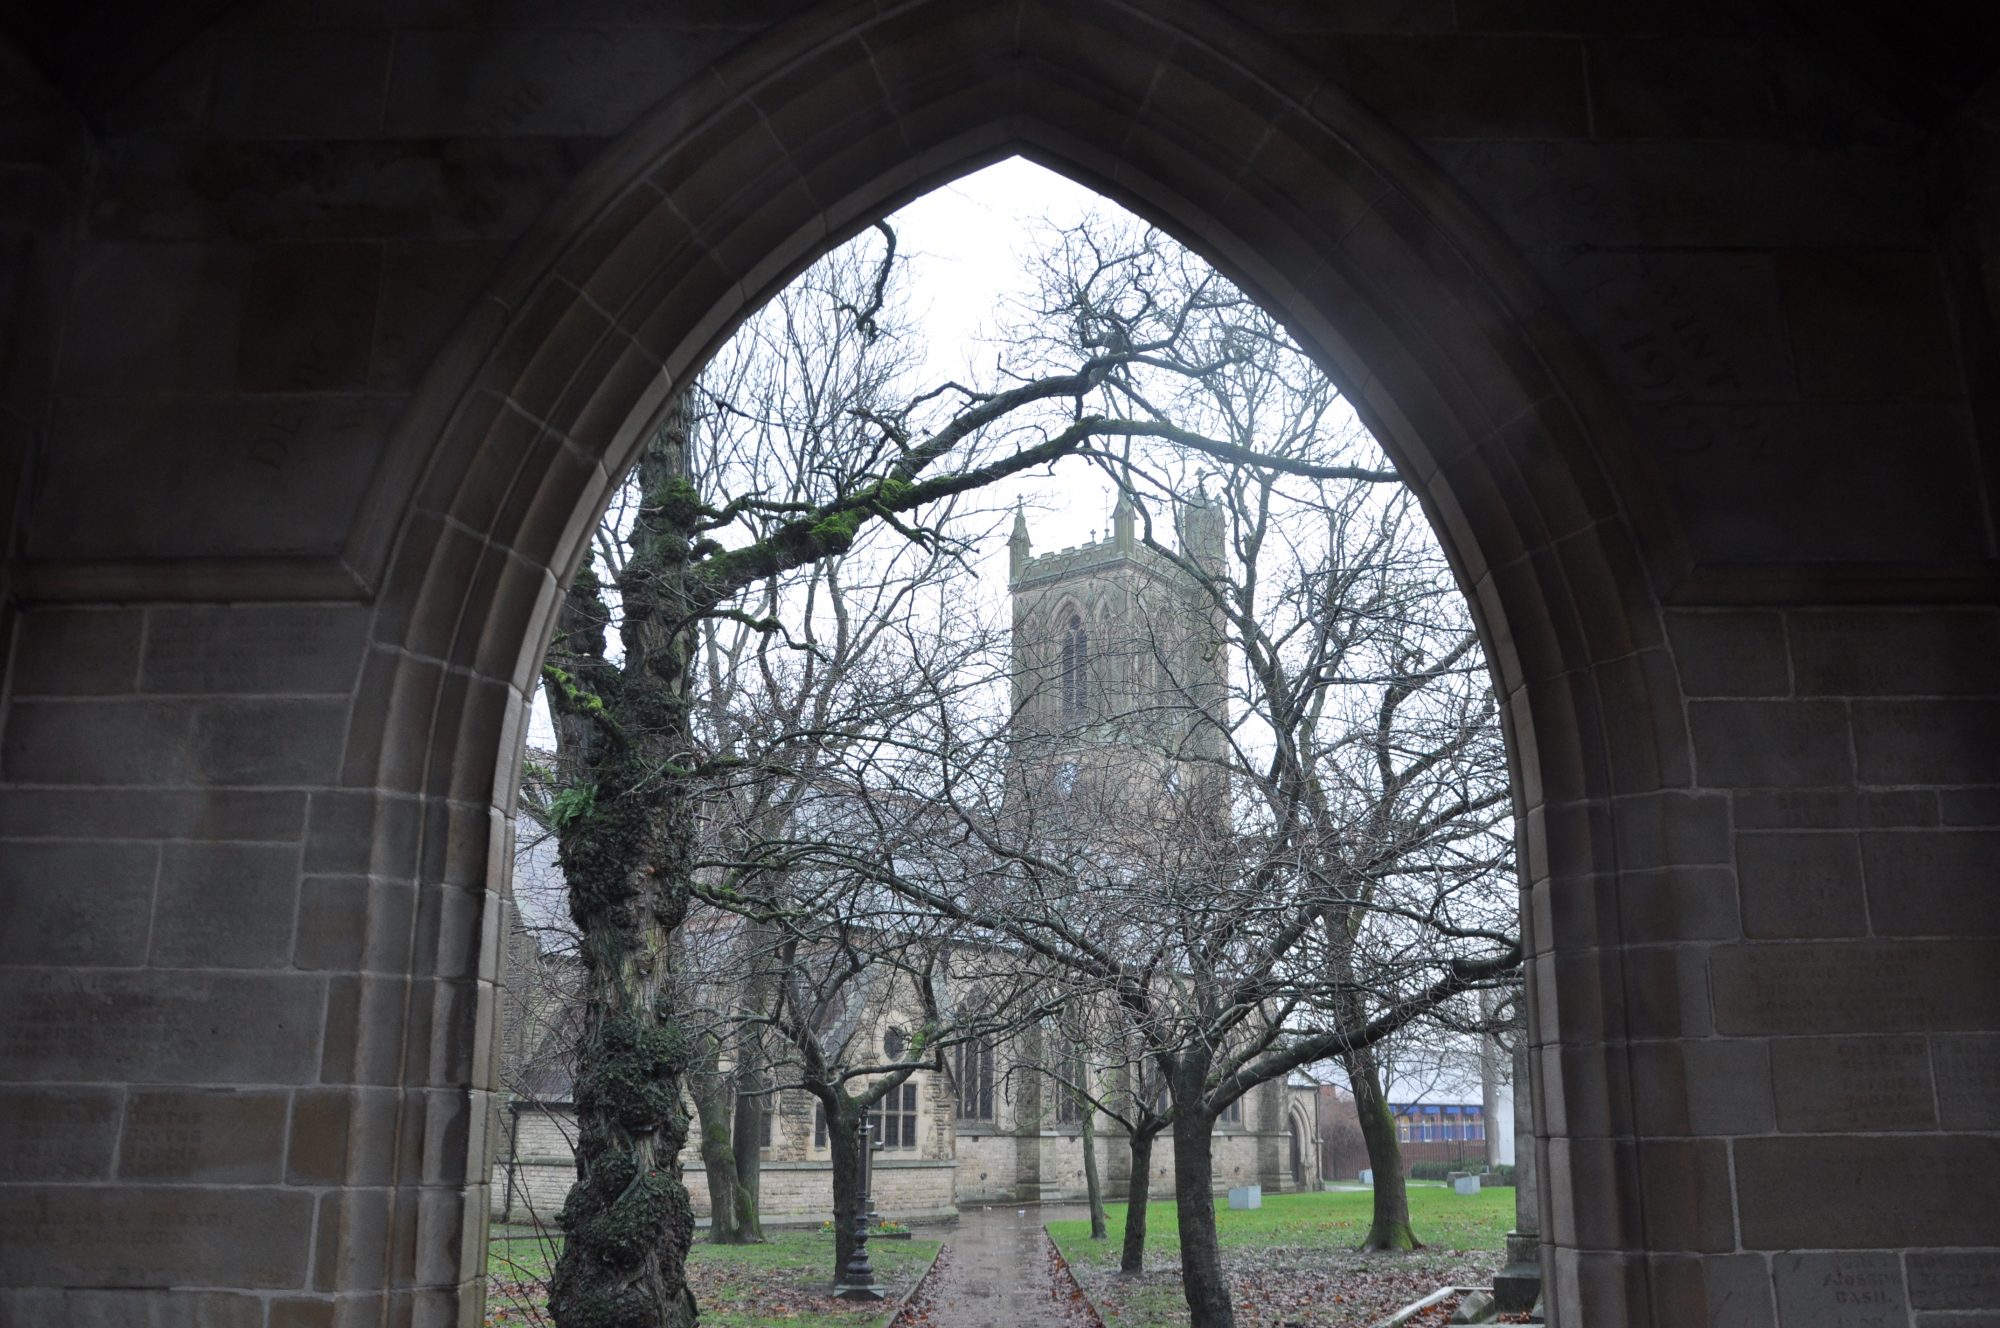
(846, 1292)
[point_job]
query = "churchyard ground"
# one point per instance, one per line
(1292, 1262)
(785, 1280)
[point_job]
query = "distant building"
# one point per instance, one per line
(1452, 1127)
(1441, 1132)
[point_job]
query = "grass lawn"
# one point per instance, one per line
(1292, 1260)
(783, 1281)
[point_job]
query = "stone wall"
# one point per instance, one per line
(533, 1167)
(325, 329)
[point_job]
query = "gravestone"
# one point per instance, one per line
(1247, 1196)
(1475, 1307)
(1367, 1176)
(1466, 1185)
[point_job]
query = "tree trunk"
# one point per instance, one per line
(1138, 1192)
(715, 1102)
(1389, 1229)
(1202, 1279)
(843, 1142)
(753, 1056)
(1092, 1186)
(626, 839)
(750, 1109)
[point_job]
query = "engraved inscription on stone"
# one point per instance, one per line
(1841, 1290)
(1955, 1280)
(56, 1135)
(157, 1236)
(280, 649)
(1857, 1083)
(142, 1026)
(1968, 1080)
(160, 1137)
(1832, 987)
(201, 1135)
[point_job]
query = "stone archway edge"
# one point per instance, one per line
(731, 185)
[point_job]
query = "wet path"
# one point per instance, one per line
(997, 1273)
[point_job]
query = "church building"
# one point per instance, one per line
(1119, 678)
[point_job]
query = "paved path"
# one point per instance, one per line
(997, 1274)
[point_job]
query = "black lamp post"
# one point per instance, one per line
(857, 1279)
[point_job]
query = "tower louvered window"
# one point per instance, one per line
(1075, 669)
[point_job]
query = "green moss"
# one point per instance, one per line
(630, 1228)
(631, 1074)
(836, 532)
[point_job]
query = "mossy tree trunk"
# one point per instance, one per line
(625, 829)
(749, 1129)
(715, 1100)
(753, 1058)
(1389, 1226)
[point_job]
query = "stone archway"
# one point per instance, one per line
(1302, 1160)
(1442, 337)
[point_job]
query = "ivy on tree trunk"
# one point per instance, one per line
(625, 832)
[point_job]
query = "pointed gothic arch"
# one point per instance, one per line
(1453, 354)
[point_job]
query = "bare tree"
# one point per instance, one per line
(1313, 856)
(628, 818)
(1140, 358)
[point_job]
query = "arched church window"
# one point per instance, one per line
(1075, 668)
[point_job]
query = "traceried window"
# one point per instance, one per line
(1233, 1113)
(819, 1125)
(893, 1120)
(1069, 1070)
(765, 1117)
(1075, 668)
(894, 1044)
(974, 1072)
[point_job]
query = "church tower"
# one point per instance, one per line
(1119, 662)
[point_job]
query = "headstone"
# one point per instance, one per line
(1466, 1185)
(1474, 1307)
(1247, 1196)
(1367, 1176)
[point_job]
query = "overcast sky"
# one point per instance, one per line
(970, 250)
